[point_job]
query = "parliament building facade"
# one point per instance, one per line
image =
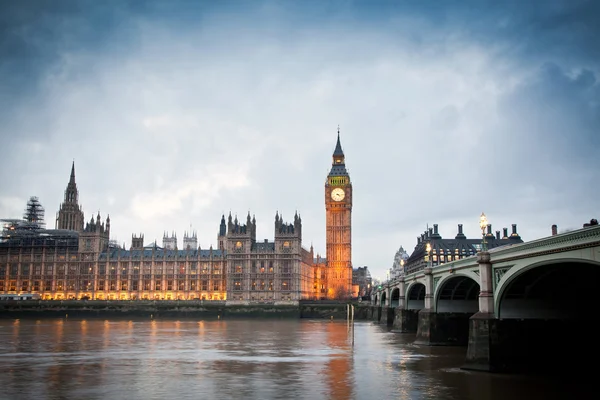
(77, 259)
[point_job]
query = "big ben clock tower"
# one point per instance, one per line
(338, 209)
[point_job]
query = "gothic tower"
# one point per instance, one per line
(70, 215)
(338, 209)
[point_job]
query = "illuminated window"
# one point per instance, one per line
(238, 245)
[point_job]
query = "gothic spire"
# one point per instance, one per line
(72, 178)
(338, 167)
(338, 152)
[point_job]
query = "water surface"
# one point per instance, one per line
(241, 359)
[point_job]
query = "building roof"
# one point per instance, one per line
(116, 253)
(338, 147)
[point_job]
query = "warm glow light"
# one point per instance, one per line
(428, 247)
(483, 222)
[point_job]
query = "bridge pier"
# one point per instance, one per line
(376, 313)
(483, 343)
(526, 345)
(387, 315)
(405, 320)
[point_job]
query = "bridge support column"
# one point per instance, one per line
(387, 315)
(486, 289)
(404, 320)
(376, 313)
(483, 326)
(402, 296)
(483, 343)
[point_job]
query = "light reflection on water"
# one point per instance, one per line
(231, 359)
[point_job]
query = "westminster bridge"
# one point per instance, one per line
(527, 306)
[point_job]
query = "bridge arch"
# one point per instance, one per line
(415, 296)
(458, 293)
(395, 297)
(383, 298)
(375, 300)
(543, 308)
(550, 289)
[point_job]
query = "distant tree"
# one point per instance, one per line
(339, 293)
(34, 213)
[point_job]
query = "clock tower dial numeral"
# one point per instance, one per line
(338, 207)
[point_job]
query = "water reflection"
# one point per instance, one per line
(234, 359)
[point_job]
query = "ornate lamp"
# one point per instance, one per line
(483, 223)
(428, 250)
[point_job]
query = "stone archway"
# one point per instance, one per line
(458, 294)
(543, 310)
(415, 296)
(395, 298)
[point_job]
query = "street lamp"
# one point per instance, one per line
(483, 223)
(428, 250)
(402, 266)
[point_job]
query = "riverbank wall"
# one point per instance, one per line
(193, 309)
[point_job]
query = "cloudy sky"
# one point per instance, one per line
(177, 112)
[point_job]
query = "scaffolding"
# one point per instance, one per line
(34, 212)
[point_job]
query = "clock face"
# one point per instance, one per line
(337, 194)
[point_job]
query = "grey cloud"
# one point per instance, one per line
(150, 110)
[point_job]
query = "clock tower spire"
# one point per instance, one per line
(338, 210)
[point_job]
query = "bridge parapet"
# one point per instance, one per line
(554, 244)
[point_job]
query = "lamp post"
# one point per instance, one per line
(402, 266)
(428, 251)
(483, 223)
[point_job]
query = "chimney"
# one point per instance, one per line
(554, 230)
(514, 230)
(435, 235)
(497, 235)
(505, 233)
(460, 234)
(489, 230)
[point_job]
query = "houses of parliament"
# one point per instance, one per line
(77, 259)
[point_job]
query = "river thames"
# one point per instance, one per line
(241, 359)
